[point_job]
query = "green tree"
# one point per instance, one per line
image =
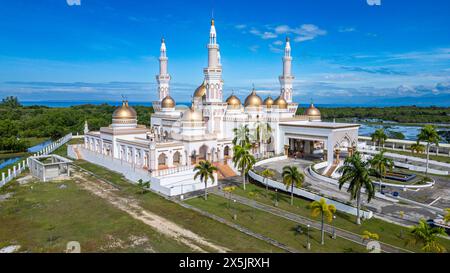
(427, 236)
(325, 211)
(241, 135)
(429, 135)
(205, 170)
(292, 177)
(355, 172)
(381, 164)
(243, 160)
(143, 185)
(267, 173)
(379, 136)
(417, 148)
(447, 215)
(10, 101)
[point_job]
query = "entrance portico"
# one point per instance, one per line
(306, 138)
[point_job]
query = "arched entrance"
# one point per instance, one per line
(177, 158)
(203, 153)
(162, 161)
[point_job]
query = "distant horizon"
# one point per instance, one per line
(69, 103)
(395, 53)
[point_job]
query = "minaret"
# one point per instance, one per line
(163, 78)
(287, 78)
(213, 73)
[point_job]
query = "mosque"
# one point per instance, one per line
(178, 137)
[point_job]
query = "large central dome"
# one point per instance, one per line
(253, 100)
(125, 112)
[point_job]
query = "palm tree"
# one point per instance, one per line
(355, 172)
(263, 132)
(381, 164)
(205, 170)
(143, 185)
(292, 177)
(417, 147)
(321, 207)
(428, 236)
(379, 136)
(243, 159)
(241, 135)
(429, 135)
(447, 215)
(267, 173)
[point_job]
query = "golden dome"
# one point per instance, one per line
(168, 102)
(312, 111)
(124, 112)
(192, 115)
(234, 102)
(268, 102)
(253, 100)
(200, 91)
(280, 103)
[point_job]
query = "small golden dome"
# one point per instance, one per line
(200, 91)
(168, 102)
(233, 102)
(253, 100)
(124, 112)
(192, 115)
(268, 102)
(280, 103)
(312, 111)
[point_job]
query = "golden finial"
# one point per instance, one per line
(212, 22)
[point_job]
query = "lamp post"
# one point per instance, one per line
(234, 210)
(276, 197)
(334, 228)
(308, 244)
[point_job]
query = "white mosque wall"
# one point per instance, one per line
(166, 183)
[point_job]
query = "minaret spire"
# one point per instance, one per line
(163, 78)
(287, 78)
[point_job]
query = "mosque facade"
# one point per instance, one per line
(179, 138)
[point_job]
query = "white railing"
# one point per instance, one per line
(169, 171)
(21, 166)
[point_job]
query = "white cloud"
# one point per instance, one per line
(241, 26)
(269, 35)
(275, 49)
(254, 48)
(73, 2)
(347, 29)
(282, 29)
(278, 42)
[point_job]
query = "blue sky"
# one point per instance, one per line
(344, 51)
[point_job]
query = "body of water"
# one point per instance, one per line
(4, 162)
(39, 147)
(410, 132)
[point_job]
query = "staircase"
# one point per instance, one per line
(331, 170)
(223, 170)
(77, 152)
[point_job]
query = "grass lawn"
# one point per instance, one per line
(214, 231)
(272, 226)
(62, 151)
(41, 217)
(389, 233)
(440, 158)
